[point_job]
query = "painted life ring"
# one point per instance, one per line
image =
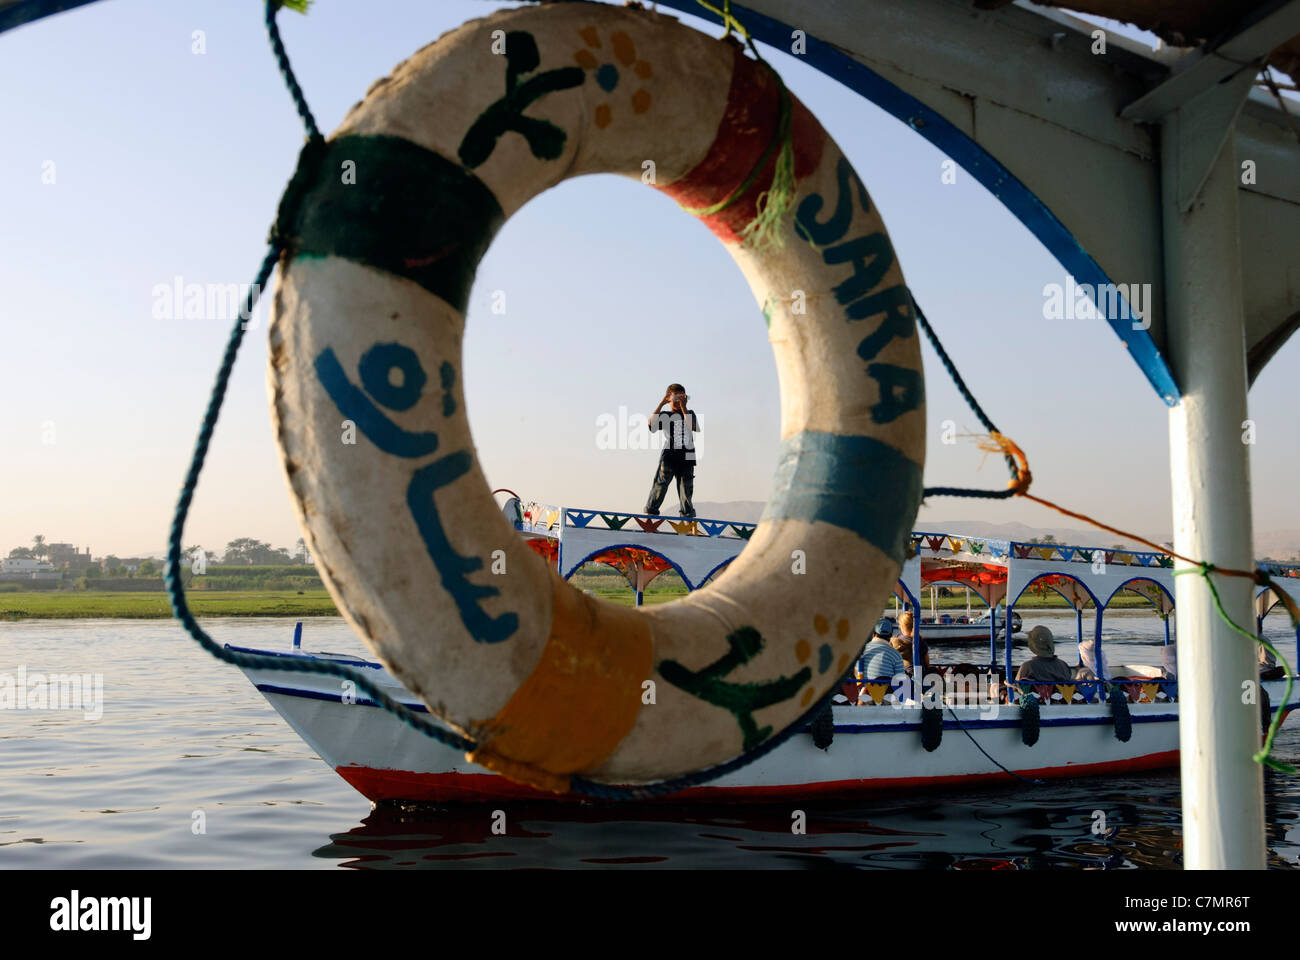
(369, 412)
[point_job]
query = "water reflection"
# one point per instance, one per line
(1097, 824)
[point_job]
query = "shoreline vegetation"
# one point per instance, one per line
(297, 592)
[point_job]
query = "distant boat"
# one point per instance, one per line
(953, 629)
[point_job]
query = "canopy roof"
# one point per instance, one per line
(642, 547)
(994, 569)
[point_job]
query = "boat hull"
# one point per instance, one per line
(875, 748)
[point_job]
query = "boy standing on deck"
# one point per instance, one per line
(677, 461)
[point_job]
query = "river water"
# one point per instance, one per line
(188, 766)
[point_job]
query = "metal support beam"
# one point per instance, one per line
(1223, 798)
(1201, 127)
(1246, 51)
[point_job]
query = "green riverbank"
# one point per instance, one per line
(88, 604)
(153, 604)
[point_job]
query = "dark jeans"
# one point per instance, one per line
(673, 465)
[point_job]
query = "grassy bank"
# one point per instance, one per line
(69, 604)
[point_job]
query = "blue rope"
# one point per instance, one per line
(974, 404)
(286, 71)
(961, 726)
(175, 587)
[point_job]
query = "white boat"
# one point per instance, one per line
(958, 628)
(874, 747)
(879, 736)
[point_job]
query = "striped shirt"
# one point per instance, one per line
(879, 659)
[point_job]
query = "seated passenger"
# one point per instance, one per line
(903, 642)
(878, 658)
(1045, 665)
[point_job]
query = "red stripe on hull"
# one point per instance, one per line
(482, 787)
(747, 128)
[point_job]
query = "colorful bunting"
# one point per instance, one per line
(687, 527)
(1043, 691)
(614, 522)
(713, 527)
(580, 518)
(876, 691)
(743, 532)
(1045, 552)
(649, 526)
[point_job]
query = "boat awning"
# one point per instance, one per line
(1006, 568)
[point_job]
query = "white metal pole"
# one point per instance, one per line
(1223, 794)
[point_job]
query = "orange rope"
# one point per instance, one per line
(998, 443)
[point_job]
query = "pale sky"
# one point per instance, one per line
(169, 164)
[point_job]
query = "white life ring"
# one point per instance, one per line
(370, 416)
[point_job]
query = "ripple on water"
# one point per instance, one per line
(182, 734)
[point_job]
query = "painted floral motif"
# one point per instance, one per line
(622, 70)
(825, 652)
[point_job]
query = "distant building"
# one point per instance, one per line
(65, 556)
(27, 568)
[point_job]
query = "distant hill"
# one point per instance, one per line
(1083, 536)
(1278, 544)
(746, 511)
(751, 510)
